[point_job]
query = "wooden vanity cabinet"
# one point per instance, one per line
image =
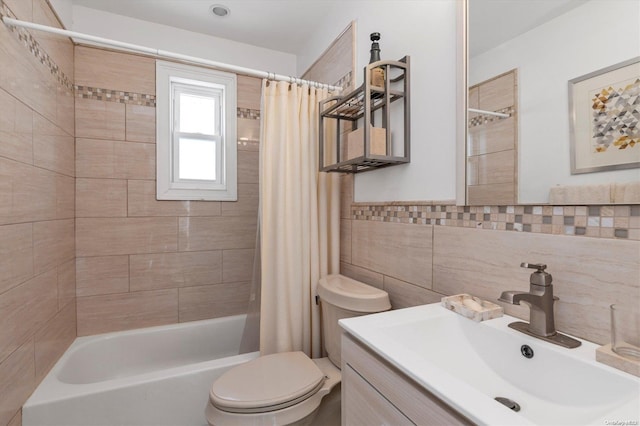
(374, 392)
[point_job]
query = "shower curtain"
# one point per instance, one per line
(300, 219)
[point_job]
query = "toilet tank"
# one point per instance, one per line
(343, 297)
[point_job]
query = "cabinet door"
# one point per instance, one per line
(365, 406)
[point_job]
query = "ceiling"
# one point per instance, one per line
(283, 25)
(286, 25)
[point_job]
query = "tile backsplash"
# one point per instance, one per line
(606, 221)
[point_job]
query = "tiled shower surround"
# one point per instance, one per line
(143, 262)
(37, 206)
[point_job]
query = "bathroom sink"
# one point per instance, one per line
(468, 364)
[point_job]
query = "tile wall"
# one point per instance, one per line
(419, 252)
(37, 207)
(143, 262)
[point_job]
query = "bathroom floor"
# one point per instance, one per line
(329, 411)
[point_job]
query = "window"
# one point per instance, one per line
(196, 133)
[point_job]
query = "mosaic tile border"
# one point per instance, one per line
(29, 41)
(101, 94)
(481, 119)
(344, 82)
(251, 114)
(605, 221)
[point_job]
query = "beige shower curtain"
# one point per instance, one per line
(300, 219)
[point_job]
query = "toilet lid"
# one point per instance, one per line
(267, 383)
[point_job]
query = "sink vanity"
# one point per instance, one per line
(429, 365)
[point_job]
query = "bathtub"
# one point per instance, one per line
(150, 376)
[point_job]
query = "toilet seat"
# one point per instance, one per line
(297, 411)
(267, 383)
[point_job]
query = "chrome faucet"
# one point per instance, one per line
(540, 300)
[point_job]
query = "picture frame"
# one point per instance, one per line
(605, 135)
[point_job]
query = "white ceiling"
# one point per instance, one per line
(283, 25)
(286, 25)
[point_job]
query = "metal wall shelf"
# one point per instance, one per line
(363, 103)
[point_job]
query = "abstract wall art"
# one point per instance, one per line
(604, 108)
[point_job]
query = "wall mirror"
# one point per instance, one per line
(522, 54)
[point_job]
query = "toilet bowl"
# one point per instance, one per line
(287, 388)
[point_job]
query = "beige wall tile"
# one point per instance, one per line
(398, 250)
(249, 92)
(404, 295)
(474, 102)
(237, 265)
(248, 167)
(336, 61)
(17, 381)
(25, 308)
(248, 129)
(495, 136)
(110, 236)
(102, 275)
(115, 71)
(141, 123)
(115, 160)
(22, 75)
(53, 243)
(142, 202)
(21, 8)
(66, 283)
(53, 148)
(173, 270)
(95, 158)
(27, 193)
(492, 194)
(346, 195)
(247, 204)
(215, 233)
(100, 119)
(16, 129)
(101, 197)
(53, 339)
(497, 167)
(485, 263)
(361, 274)
(17, 419)
(213, 301)
(65, 197)
(65, 110)
(16, 255)
(60, 49)
(472, 170)
(498, 93)
(345, 240)
(135, 160)
(114, 312)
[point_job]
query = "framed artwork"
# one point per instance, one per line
(604, 108)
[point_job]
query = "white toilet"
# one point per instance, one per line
(287, 388)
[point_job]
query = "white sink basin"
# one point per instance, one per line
(468, 364)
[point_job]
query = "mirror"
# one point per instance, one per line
(522, 54)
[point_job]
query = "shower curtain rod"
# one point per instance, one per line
(165, 54)
(497, 114)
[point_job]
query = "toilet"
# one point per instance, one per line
(287, 388)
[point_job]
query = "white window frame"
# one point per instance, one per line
(171, 80)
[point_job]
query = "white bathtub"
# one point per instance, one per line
(150, 376)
